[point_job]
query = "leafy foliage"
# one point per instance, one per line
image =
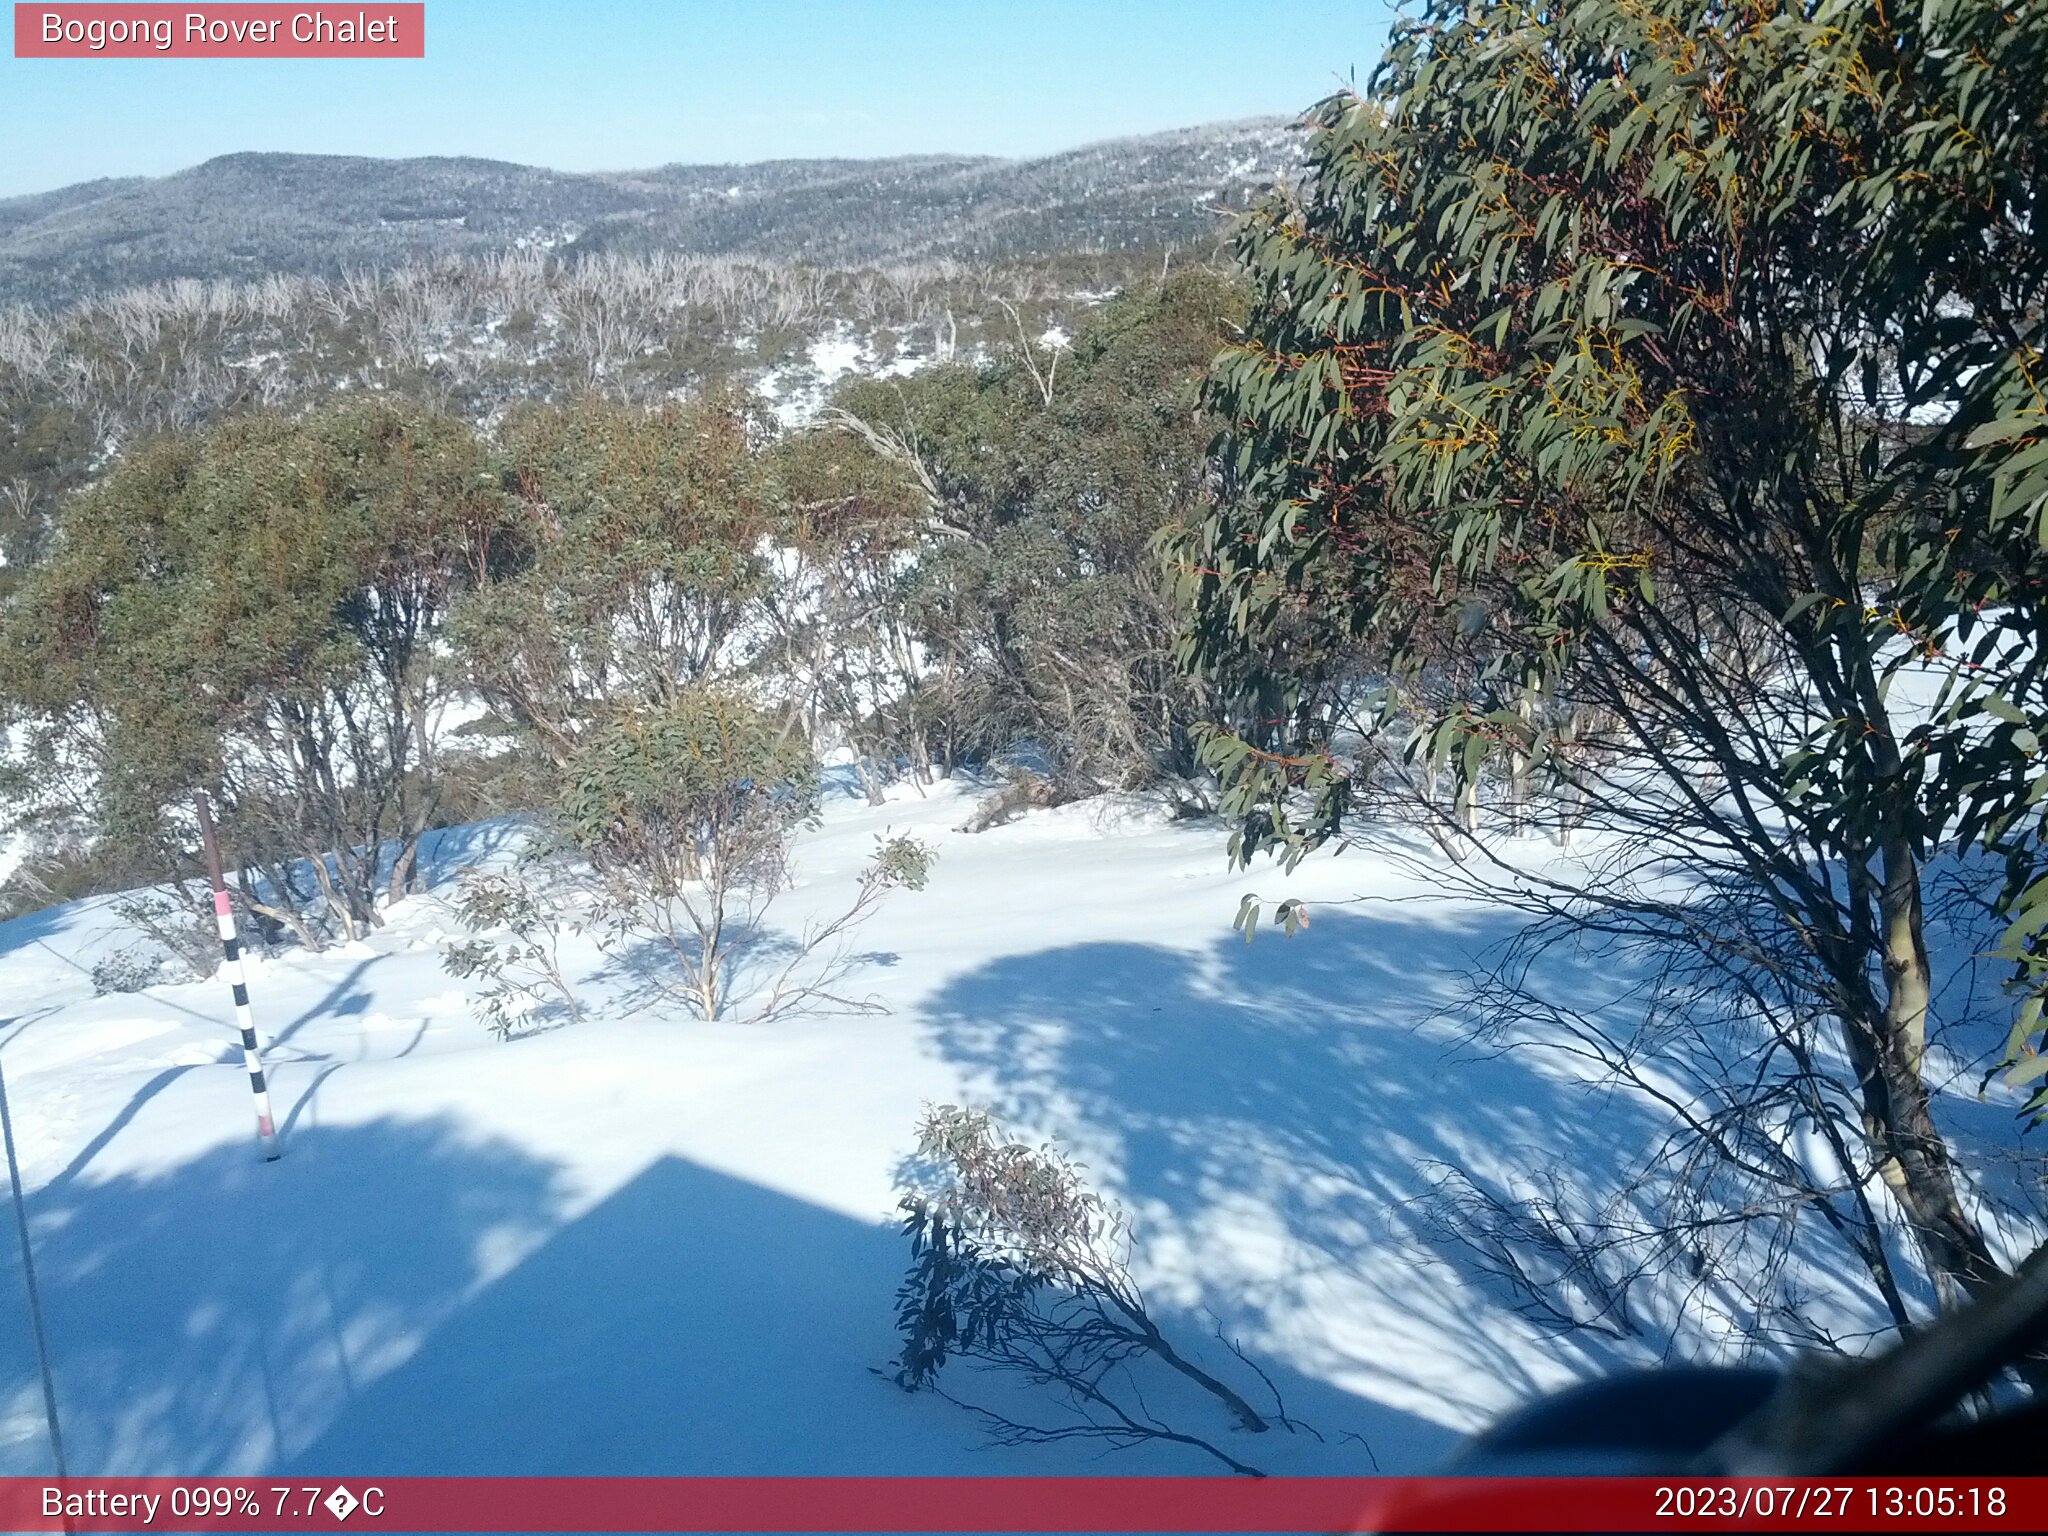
(1017, 1263)
(1634, 392)
(524, 965)
(1028, 581)
(708, 778)
(628, 569)
(956, 1299)
(685, 811)
(131, 969)
(256, 612)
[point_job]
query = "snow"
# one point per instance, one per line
(646, 1244)
(798, 392)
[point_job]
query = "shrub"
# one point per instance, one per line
(524, 967)
(1017, 1263)
(126, 970)
(685, 812)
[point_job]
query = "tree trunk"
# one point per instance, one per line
(407, 861)
(285, 915)
(1898, 1114)
(871, 782)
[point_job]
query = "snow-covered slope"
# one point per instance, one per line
(645, 1244)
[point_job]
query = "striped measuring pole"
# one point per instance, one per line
(224, 912)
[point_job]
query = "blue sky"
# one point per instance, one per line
(607, 84)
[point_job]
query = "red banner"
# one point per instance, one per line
(360, 31)
(1092, 1504)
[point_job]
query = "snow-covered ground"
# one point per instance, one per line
(798, 392)
(645, 1244)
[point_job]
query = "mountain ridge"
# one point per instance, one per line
(256, 212)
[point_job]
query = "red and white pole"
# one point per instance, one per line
(224, 912)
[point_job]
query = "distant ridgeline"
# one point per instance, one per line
(253, 215)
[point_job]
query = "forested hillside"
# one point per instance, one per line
(269, 280)
(254, 215)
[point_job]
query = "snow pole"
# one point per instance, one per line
(224, 913)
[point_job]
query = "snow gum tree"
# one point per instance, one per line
(1634, 391)
(255, 612)
(630, 567)
(843, 637)
(684, 812)
(1018, 1263)
(1040, 477)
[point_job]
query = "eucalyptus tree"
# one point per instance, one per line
(1636, 396)
(1038, 478)
(258, 612)
(629, 569)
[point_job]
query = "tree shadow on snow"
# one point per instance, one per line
(639, 974)
(642, 974)
(690, 1324)
(1273, 1113)
(219, 1313)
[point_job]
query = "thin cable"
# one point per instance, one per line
(28, 1272)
